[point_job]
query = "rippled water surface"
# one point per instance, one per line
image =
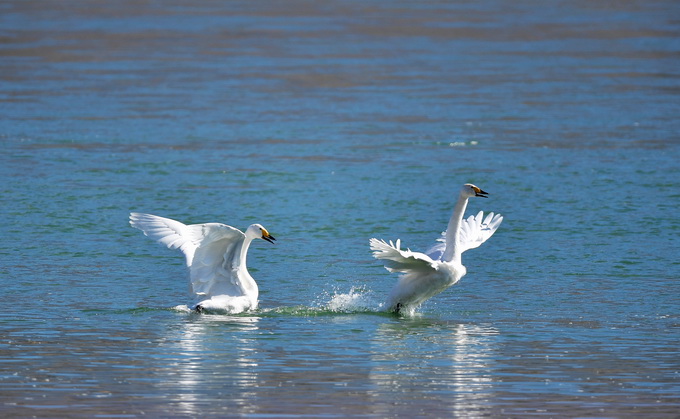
(331, 123)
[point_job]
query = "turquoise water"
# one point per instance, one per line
(330, 124)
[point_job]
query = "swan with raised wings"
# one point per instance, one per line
(424, 275)
(216, 257)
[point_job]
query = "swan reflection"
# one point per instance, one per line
(447, 363)
(213, 358)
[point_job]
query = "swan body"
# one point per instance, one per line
(424, 275)
(216, 257)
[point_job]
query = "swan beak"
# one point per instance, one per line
(267, 236)
(480, 193)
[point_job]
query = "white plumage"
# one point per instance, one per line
(424, 275)
(216, 257)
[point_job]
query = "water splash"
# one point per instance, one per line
(359, 299)
(356, 300)
(182, 308)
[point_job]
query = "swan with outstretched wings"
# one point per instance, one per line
(424, 275)
(216, 257)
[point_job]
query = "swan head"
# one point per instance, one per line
(257, 231)
(470, 190)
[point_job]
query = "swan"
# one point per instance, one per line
(424, 275)
(216, 257)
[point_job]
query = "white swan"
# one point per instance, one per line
(425, 275)
(216, 257)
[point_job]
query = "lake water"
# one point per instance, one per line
(331, 123)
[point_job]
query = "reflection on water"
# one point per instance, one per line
(449, 364)
(215, 359)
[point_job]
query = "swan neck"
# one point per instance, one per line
(452, 253)
(247, 283)
(244, 251)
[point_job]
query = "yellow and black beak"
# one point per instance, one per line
(267, 236)
(480, 193)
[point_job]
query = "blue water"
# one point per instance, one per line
(331, 123)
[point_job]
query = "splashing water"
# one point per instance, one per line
(357, 299)
(182, 308)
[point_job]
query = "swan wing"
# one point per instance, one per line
(215, 269)
(476, 229)
(212, 251)
(167, 232)
(437, 250)
(399, 260)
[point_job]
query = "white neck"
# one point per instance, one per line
(452, 253)
(248, 284)
(244, 251)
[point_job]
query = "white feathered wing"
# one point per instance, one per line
(474, 230)
(212, 252)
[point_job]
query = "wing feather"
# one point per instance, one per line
(215, 267)
(476, 229)
(437, 250)
(169, 233)
(398, 260)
